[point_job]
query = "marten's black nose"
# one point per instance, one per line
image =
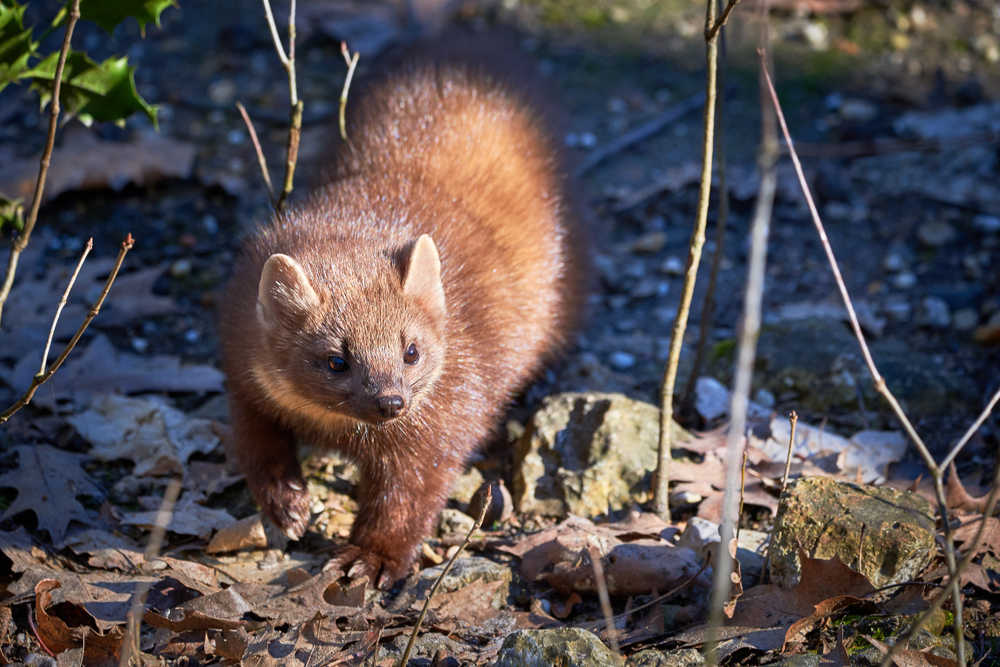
(389, 406)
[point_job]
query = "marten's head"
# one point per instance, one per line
(367, 345)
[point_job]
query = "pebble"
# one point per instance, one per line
(898, 309)
(987, 223)
(192, 335)
(904, 280)
(935, 233)
(140, 345)
(935, 312)
(817, 35)
(650, 243)
(622, 361)
(965, 319)
(180, 268)
(672, 266)
(894, 262)
(858, 111)
(765, 398)
(222, 92)
(210, 223)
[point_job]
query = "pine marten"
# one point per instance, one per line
(395, 313)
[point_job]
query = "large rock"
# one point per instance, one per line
(884, 534)
(561, 646)
(586, 454)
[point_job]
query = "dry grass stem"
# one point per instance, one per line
(602, 594)
(42, 378)
(487, 501)
(352, 63)
(261, 160)
(131, 651)
(793, 420)
(43, 165)
(739, 400)
(62, 303)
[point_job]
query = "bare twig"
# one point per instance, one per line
(972, 430)
(793, 419)
(708, 306)
(879, 381)
(602, 595)
(644, 131)
(261, 160)
(714, 28)
(43, 165)
(62, 302)
(747, 348)
(352, 63)
(661, 493)
(42, 377)
(130, 645)
(487, 501)
(274, 32)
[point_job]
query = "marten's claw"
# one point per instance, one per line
(286, 503)
(356, 563)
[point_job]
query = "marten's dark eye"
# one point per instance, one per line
(337, 364)
(411, 356)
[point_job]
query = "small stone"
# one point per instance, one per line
(987, 223)
(588, 140)
(935, 233)
(616, 105)
(650, 243)
(858, 111)
(764, 398)
(965, 319)
(140, 345)
(622, 361)
(180, 268)
(453, 522)
(192, 335)
(904, 280)
(210, 224)
(222, 92)
(894, 262)
(817, 35)
(557, 646)
(711, 398)
(672, 266)
(934, 312)
(236, 136)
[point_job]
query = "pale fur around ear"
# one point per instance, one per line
(284, 294)
(423, 275)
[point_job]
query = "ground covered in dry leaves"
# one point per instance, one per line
(906, 175)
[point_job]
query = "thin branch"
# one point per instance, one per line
(130, 647)
(352, 63)
(42, 378)
(983, 416)
(662, 477)
(62, 303)
(717, 26)
(292, 154)
(739, 400)
(261, 160)
(880, 384)
(43, 166)
(274, 33)
(793, 419)
(644, 131)
(487, 501)
(605, 599)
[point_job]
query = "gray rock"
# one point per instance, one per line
(904, 280)
(586, 454)
(560, 646)
(934, 312)
(454, 522)
(672, 266)
(987, 223)
(965, 319)
(682, 657)
(884, 534)
(857, 110)
(935, 233)
(622, 361)
(711, 399)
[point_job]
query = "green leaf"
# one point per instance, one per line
(16, 45)
(109, 13)
(101, 92)
(11, 213)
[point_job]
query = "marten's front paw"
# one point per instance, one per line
(286, 502)
(356, 562)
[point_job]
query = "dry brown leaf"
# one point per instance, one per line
(797, 632)
(84, 162)
(59, 636)
(990, 540)
(188, 518)
(958, 498)
(48, 480)
(911, 658)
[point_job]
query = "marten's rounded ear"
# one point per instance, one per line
(423, 275)
(284, 294)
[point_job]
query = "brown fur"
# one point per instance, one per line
(442, 150)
